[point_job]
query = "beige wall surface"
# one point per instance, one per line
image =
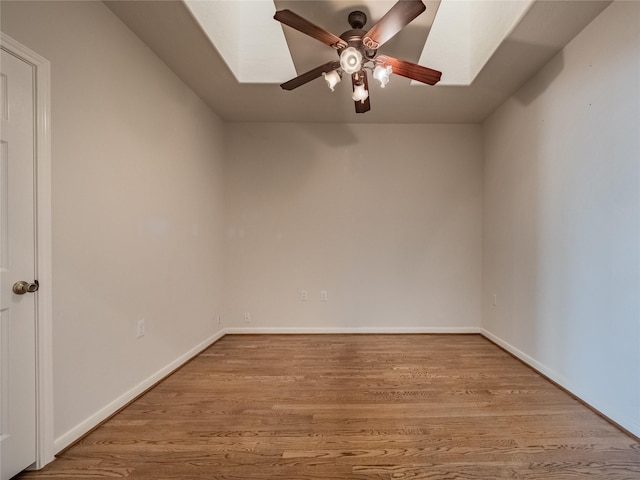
(385, 218)
(137, 206)
(561, 243)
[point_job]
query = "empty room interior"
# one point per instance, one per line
(464, 251)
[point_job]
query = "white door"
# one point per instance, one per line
(17, 263)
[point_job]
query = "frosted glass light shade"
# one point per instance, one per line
(351, 60)
(332, 78)
(360, 93)
(382, 74)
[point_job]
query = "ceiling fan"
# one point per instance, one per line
(358, 51)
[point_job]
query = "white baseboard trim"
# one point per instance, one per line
(532, 362)
(343, 330)
(101, 415)
(628, 424)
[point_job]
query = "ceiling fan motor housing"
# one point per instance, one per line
(354, 39)
(357, 19)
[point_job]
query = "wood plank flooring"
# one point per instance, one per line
(361, 407)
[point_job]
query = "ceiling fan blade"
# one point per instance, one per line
(398, 17)
(310, 75)
(410, 70)
(294, 20)
(361, 107)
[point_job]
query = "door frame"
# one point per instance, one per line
(44, 298)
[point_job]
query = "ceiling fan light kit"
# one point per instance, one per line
(358, 51)
(351, 60)
(360, 94)
(382, 74)
(332, 78)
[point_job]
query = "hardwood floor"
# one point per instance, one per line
(353, 407)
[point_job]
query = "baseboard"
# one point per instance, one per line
(532, 362)
(625, 424)
(343, 330)
(104, 413)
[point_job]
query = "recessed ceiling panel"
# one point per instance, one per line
(465, 35)
(246, 36)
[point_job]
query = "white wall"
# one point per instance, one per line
(137, 209)
(561, 217)
(385, 218)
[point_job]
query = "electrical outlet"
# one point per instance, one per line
(140, 328)
(323, 296)
(304, 295)
(247, 317)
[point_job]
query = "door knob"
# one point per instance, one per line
(22, 287)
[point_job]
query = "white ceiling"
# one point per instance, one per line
(170, 30)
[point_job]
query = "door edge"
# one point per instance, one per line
(44, 299)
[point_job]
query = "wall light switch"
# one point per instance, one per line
(323, 296)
